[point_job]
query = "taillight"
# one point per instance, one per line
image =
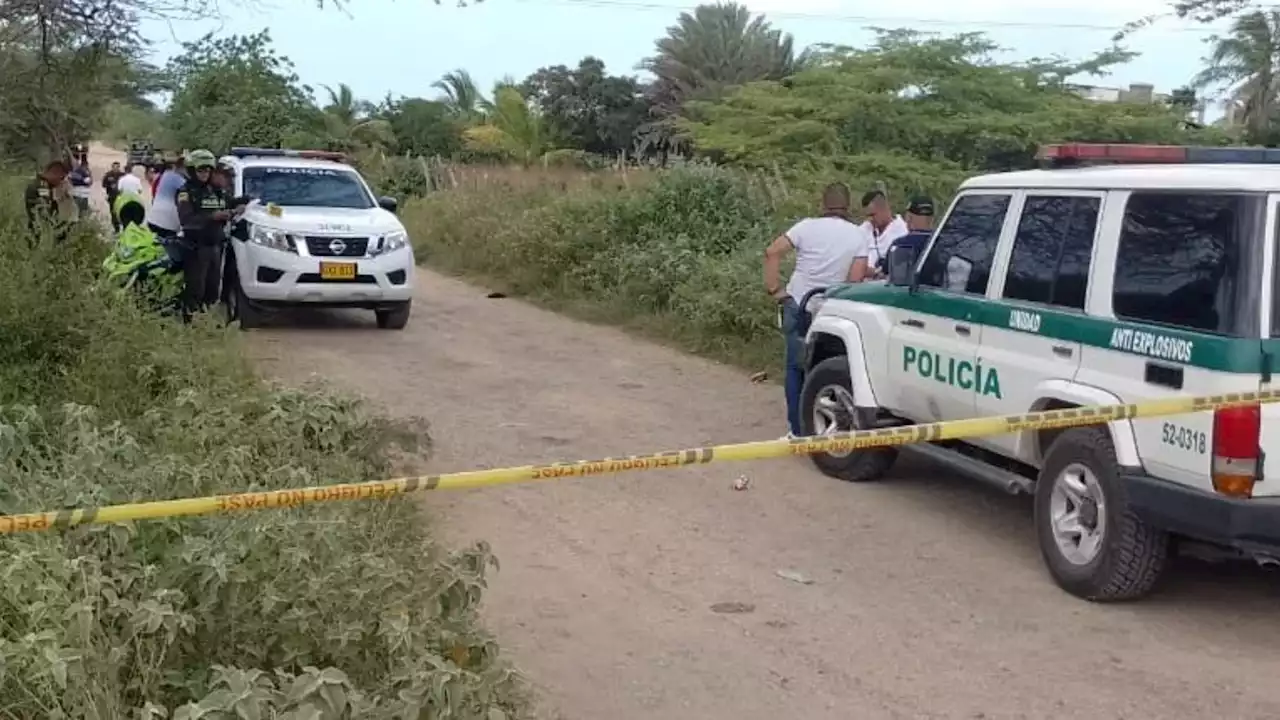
(1236, 450)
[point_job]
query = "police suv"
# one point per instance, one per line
(314, 234)
(1120, 274)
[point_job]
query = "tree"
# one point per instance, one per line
(1246, 62)
(461, 94)
(920, 110)
(239, 91)
(586, 108)
(349, 124)
(511, 131)
(423, 127)
(61, 63)
(704, 54)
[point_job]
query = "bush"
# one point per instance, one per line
(675, 253)
(334, 611)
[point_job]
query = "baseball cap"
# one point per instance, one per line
(921, 205)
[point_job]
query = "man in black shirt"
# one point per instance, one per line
(111, 185)
(41, 200)
(204, 207)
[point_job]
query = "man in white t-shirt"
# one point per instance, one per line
(129, 183)
(883, 226)
(162, 216)
(830, 249)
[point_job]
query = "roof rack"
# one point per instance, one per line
(1079, 154)
(280, 152)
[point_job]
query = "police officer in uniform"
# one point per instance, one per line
(41, 199)
(204, 209)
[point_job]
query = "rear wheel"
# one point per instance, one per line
(1095, 547)
(826, 407)
(395, 317)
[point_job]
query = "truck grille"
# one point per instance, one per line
(346, 246)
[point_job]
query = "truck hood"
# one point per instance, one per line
(324, 221)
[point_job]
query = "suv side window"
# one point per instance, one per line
(1052, 250)
(1178, 259)
(960, 257)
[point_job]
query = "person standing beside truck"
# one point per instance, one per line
(830, 250)
(881, 224)
(204, 208)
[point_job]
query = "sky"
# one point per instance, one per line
(402, 46)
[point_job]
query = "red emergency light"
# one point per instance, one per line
(281, 152)
(1113, 152)
(1069, 154)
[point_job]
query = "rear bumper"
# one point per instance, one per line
(1250, 526)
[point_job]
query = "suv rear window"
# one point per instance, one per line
(1180, 261)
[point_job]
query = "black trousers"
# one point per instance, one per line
(202, 274)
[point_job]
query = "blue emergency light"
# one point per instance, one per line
(281, 152)
(1124, 153)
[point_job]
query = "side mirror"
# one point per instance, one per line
(902, 265)
(388, 203)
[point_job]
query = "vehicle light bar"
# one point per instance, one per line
(1123, 153)
(281, 152)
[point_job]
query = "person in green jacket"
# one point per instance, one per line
(139, 261)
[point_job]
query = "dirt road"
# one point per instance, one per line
(927, 600)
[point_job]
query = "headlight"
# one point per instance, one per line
(274, 239)
(391, 242)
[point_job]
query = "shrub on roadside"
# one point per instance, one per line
(334, 611)
(678, 255)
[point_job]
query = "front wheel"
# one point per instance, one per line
(1095, 547)
(826, 407)
(395, 317)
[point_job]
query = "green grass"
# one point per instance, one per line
(334, 611)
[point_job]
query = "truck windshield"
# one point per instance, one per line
(307, 187)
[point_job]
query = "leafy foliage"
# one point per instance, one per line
(238, 91)
(708, 51)
(334, 611)
(1246, 63)
(940, 101)
(586, 108)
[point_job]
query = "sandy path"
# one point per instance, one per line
(928, 597)
(928, 600)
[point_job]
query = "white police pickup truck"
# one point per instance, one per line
(1121, 274)
(314, 235)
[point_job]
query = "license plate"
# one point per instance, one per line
(337, 271)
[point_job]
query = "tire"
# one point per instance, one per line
(1128, 556)
(396, 317)
(828, 378)
(246, 312)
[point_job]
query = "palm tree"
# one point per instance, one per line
(349, 122)
(460, 93)
(717, 47)
(1246, 62)
(706, 53)
(512, 128)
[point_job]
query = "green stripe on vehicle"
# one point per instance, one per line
(1211, 352)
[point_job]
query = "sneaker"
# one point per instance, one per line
(789, 437)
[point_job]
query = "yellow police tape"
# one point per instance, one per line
(842, 442)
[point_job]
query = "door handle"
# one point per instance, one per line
(1163, 375)
(912, 322)
(963, 330)
(1062, 351)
